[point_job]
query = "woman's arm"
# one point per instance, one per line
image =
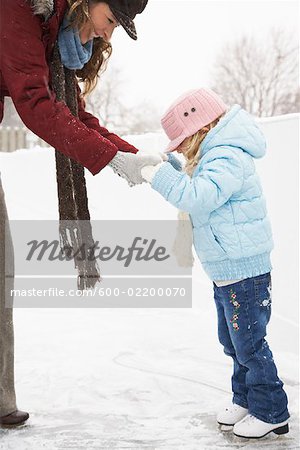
(26, 74)
(92, 122)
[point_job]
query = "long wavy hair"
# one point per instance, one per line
(79, 15)
(191, 147)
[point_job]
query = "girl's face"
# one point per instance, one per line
(102, 23)
(182, 147)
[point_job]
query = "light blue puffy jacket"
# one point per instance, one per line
(232, 233)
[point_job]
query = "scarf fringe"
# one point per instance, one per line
(183, 244)
(77, 242)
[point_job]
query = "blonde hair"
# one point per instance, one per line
(191, 146)
(89, 74)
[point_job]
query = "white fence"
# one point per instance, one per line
(15, 138)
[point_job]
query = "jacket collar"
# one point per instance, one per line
(43, 7)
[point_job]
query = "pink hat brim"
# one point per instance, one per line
(174, 144)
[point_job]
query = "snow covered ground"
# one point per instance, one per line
(145, 378)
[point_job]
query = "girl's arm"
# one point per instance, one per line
(221, 176)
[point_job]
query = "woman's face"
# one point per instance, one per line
(102, 23)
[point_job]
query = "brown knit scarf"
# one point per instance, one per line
(75, 228)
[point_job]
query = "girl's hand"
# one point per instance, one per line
(168, 157)
(174, 161)
(148, 172)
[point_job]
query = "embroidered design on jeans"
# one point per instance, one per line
(267, 301)
(236, 306)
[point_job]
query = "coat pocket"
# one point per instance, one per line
(216, 241)
(206, 246)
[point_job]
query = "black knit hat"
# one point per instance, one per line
(125, 11)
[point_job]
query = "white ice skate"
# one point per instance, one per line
(231, 415)
(252, 428)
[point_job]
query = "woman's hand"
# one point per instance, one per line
(130, 165)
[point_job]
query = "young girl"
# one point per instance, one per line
(233, 240)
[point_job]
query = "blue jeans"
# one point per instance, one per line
(244, 310)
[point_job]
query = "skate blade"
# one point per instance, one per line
(279, 431)
(226, 427)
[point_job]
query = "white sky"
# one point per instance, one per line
(178, 41)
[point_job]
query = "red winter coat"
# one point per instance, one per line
(27, 40)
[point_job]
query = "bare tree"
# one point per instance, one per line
(106, 104)
(261, 76)
(143, 118)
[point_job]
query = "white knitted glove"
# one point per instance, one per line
(148, 151)
(148, 172)
(129, 165)
(183, 244)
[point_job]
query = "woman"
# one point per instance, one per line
(29, 30)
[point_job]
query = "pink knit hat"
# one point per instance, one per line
(189, 113)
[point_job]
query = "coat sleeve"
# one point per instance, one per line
(92, 122)
(218, 180)
(26, 75)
